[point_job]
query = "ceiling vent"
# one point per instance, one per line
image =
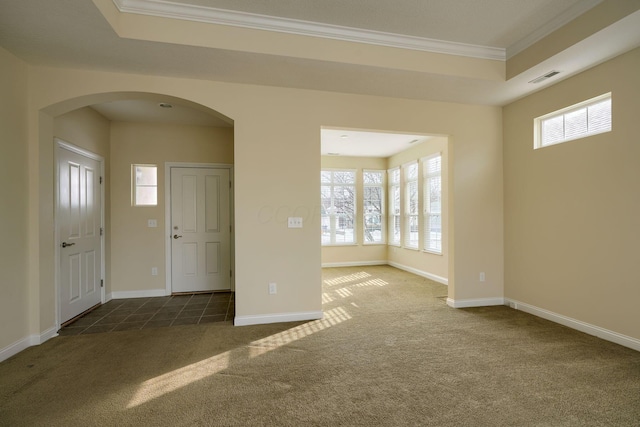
(544, 77)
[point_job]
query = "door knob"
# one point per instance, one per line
(65, 244)
(175, 236)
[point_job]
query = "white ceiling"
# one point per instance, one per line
(348, 142)
(75, 34)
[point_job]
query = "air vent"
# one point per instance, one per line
(544, 77)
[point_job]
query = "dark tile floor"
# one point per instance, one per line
(143, 313)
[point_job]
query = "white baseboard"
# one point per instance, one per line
(352, 264)
(579, 325)
(421, 273)
(477, 302)
(27, 342)
(262, 319)
(137, 294)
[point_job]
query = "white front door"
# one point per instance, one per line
(78, 222)
(200, 229)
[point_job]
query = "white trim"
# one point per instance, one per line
(26, 342)
(59, 143)
(578, 325)
(477, 302)
(559, 21)
(261, 319)
(425, 274)
(167, 216)
(139, 294)
(352, 264)
(234, 18)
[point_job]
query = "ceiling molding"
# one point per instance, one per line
(167, 9)
(559, 21)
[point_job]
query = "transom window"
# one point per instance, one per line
(338, 205)
(587, 118)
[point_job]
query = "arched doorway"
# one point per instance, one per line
(127, 129)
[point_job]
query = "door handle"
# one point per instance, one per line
(175, 236)
(65, 244)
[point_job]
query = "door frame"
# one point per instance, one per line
(167, 216)
(61, 144)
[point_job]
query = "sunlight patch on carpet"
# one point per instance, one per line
(331, 318)
(171, 381)
(182, 377)
(346, 279)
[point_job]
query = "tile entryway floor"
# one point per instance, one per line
(143, 313)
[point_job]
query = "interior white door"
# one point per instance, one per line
(78, 222)
(200, 229)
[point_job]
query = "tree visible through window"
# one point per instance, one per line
(433, 204)
(338, 204)
(394, 206)
(411, 213)
(373, 206)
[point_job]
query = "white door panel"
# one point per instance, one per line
(78, 222)
(200, 224)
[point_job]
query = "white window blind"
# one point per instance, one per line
(587, 118)
(338, 206)
(411, 213)
(394, 206)
(432, 174)
(373, 206)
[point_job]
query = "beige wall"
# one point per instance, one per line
(137, 247)
(87, 129)
(571, 228)
(14, 186)
(272, 127)
(359, 253)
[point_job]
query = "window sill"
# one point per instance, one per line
(426, 251)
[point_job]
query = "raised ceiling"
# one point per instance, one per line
(439, 50)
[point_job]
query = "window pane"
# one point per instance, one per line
(372, 177)
(146, 196)
(575, 123)
(146, 175)
(337, 198)
(599, 116)
(552, 130)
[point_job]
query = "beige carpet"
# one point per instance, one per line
(389, 352)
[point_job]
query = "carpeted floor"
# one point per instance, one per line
(389, 352)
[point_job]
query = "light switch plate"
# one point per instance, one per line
(152, 223)
(295, 222)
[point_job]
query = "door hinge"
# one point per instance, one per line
(229, 184)
(230, 229)
(102, 283)
(230, 273)
(100, 180)
(101, 231)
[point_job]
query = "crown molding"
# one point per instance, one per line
(559, 21)
(210, 15)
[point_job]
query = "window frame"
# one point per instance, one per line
(429, 175)
(383, 216)
(332, 218)
(135, 186)
(538, 122)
